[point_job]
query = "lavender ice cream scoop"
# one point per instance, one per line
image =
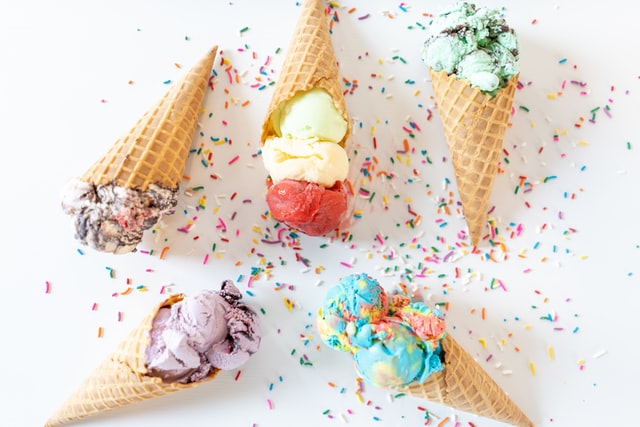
(207, 331)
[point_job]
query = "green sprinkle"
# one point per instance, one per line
(243, 30)
(262, 310)
(326, 411)
(522, 107)
(277, 50)
(628, 145)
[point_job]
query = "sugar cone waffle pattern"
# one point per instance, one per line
(474, 127)
(121, 379)
(310, 63)
(465, 386)
(156, 148)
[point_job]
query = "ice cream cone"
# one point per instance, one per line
(465, 386)
(156, 148)
(121, 379)
(310, 63)
(474, 127)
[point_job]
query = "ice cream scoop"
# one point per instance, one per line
(397, 356)
(310, 160)
(347, 310)
(308, 207)
(207, 331)
(476, 44)
(392, 346)
(111, 218)
(310, 114)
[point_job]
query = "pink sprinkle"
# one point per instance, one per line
(346, 264)
(206, 258)
(47, 288)
(270, 404)
(119, 316)
(234, 159)
(94, 306)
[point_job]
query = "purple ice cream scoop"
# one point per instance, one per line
(207, 331)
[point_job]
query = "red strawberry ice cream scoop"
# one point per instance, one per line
(308, 207)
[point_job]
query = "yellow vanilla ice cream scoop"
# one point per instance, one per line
(310, 114)
(309, 160)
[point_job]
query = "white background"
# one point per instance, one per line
(559, 336)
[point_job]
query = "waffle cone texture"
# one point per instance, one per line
(155, 149)
(474, 127)
(121, 379)
(310, 63)
(465, 386)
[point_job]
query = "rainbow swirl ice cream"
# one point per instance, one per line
(475, 44)
(394, 343)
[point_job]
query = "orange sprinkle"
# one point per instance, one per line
(443, 422)
(331, 384)
(164, 252)
(353, 9)
(483, 313)
(100, 332)
(245, 103)
(127, 291)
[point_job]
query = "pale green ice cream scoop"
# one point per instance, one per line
(310, 114)
(475, 44)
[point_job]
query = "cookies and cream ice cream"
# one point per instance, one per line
(207, 331)
(394, 342)
(474, 43)
(111, 218)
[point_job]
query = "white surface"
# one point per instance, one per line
(570, 275)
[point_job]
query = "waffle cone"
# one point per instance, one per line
(474, 127)
(310, 63)
(465, 386)
(121, 379)
(155, 149)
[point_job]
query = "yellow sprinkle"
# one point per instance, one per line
(550, 350)
(532, 367)
(373, 130)
(583, 257)
(527, 326)
(583, 143)
(483, 342)
(288, 303)
(360, 398)
(416, 92)
(552, 96)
